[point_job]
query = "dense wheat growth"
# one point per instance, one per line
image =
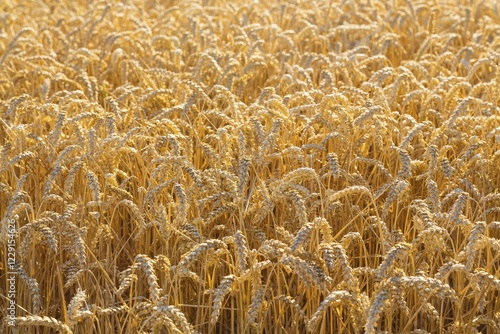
(221, 166)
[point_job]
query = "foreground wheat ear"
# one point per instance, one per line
(250, 167)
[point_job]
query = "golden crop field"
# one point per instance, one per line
(222, 166)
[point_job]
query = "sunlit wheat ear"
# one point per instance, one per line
(33, 288)
(158, 323)
(109, 311)
(183, 204)
(474, 244)
(255, 305)
(342, 261)
(396, 253)
(354, 190)
(134, 211)
(440, 289)
(75, 312)
(16, 102)
(52, 176)
(189, 230)
(484, 281)
(113, 188)
(328, 255)
(175, 315)
(126, 280)
(93, 185)
(144, 263)
(333, 164)
(142, 310)
(376, 308)
(411, 134)
(380, 166)
(405, 170)
(485, 321)
(396, 190)
(450, 267)
(243, 173)
(43, 321)
(284, 234)
(199, 249)
(302, 236)
(349, 239)
(422, 210)
(5, 154)
(69, 183)
(219, 295)
(434, 199)
(242, 251)
(56, 132)
(454, 215)
(42, 229)
(17, 198)
(336, 297)
(162, 264)
(309, 273)
(78, 248)
(25, 156)
(397, 292)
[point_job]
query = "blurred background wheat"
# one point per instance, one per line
(251, 167)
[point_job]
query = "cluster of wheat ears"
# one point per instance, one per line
(251, 167)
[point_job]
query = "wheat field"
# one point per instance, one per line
(223, 166)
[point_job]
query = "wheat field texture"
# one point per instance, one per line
(250, 167)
